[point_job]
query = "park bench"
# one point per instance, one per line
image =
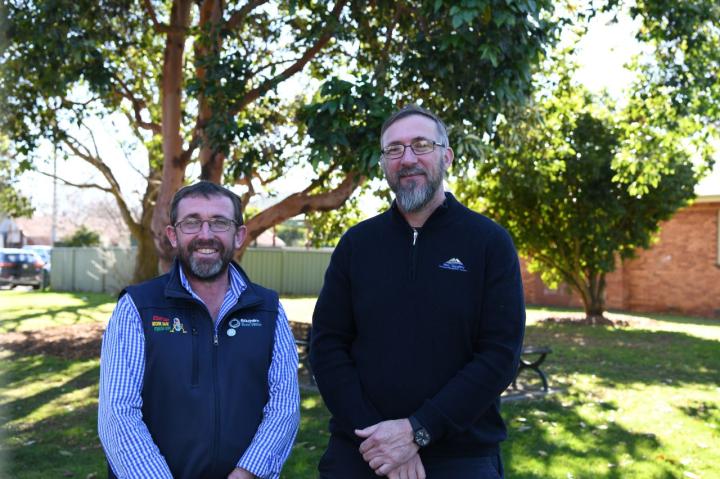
(302, 333)
(532, 357)
(536, 355)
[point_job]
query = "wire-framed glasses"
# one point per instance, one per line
(194, 225)
(419, 147)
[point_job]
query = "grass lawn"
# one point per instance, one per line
(636, 402)
(29, 310)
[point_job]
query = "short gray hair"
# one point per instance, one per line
(413, 109)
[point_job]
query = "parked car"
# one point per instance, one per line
(44, 251)
(21, 267)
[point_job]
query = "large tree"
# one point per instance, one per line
(198, 81)
(581, 184)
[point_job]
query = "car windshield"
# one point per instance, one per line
(42, 252)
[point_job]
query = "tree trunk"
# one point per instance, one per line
(174, 161)
(595, 302)
(146, 264)
(211, 17)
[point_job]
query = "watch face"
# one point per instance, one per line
(422, 437)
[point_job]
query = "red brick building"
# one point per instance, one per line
(678, 274)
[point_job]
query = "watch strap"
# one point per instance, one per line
(414, 423)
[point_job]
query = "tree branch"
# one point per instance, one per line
(237, 17)
(298, 203)
(265, 86)
(138, 105)
(76, 185)
(159, 27)
(77, 148)
(320, 179)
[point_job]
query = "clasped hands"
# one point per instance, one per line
(389, 449)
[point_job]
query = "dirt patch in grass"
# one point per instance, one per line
(79, 341)
(617, 323)
(82, 341)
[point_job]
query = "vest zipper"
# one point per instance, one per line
(194, 380)
(413, 253)
(216, 392)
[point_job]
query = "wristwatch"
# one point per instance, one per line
(421, 436)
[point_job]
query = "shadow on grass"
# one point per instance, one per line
(64, 445)
(620, 356)
(549, 440)
(705, 411)
(70, 315)
(23, 371)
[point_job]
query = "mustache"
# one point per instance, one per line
(205, 243)
(411, 170)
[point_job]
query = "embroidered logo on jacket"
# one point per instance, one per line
(453, 264)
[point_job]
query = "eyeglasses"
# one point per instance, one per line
(419, 147)
(194, 225)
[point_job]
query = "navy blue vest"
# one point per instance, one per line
(203, 394)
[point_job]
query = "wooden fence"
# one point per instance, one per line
(289, 271)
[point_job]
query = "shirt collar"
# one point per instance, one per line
(237, 283)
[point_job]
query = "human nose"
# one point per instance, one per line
(205, 229)
(408, 155)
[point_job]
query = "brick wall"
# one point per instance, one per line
(678, 274)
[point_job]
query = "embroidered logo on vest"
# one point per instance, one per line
(178, 326)
(242, 323)
(160, 324)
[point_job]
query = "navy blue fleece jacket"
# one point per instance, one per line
(428, 324)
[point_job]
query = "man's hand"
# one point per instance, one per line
(413, 469)
(387, 445)
(240, 473)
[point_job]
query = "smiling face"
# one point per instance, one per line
(416, 180)
(205, 255)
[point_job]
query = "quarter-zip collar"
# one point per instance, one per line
(438, 217)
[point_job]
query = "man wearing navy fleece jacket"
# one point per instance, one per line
(419, 325)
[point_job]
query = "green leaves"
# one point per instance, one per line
(344, 125)
(580, 184)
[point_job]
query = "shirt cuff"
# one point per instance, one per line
(264, 466)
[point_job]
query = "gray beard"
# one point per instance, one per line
(414, 197)
(204, 270)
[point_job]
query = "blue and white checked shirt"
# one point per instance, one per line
(125, 437)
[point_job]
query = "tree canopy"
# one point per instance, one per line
(200, 82)
(581, 183)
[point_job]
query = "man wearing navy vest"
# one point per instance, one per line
(198, 370)
(419, 325)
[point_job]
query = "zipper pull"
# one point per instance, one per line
(215, 338)
(415, 235)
